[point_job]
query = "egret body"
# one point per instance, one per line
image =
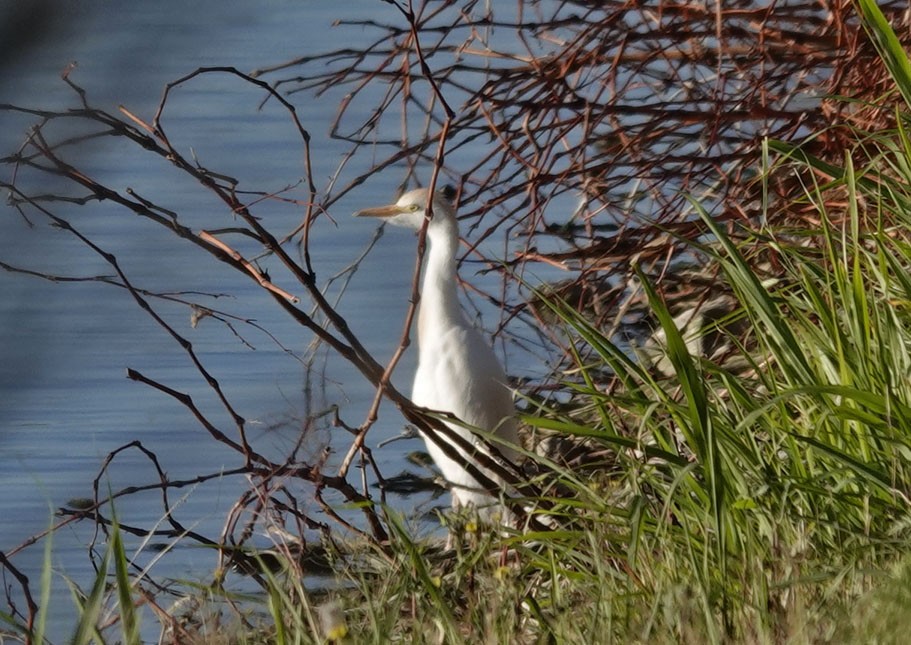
(457, 371)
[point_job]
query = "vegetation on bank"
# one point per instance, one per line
(760, 495)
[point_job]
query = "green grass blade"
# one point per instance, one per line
(128, 617)
(888, 46)
(45, 596)
(90, 607)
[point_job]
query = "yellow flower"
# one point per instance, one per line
(332, 621)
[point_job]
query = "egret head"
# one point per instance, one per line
(409, 210)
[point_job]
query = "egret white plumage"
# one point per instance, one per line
(457, 371)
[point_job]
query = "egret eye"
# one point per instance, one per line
(414, 208)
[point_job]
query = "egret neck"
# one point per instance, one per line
(439, 306)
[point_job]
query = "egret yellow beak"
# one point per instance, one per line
(380, 211)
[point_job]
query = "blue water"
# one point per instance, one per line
(64, 400)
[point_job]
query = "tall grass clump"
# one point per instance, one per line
(755, 498)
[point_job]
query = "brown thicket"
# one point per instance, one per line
(588, 126)
(629, 108)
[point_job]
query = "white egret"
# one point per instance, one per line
(457, 371)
